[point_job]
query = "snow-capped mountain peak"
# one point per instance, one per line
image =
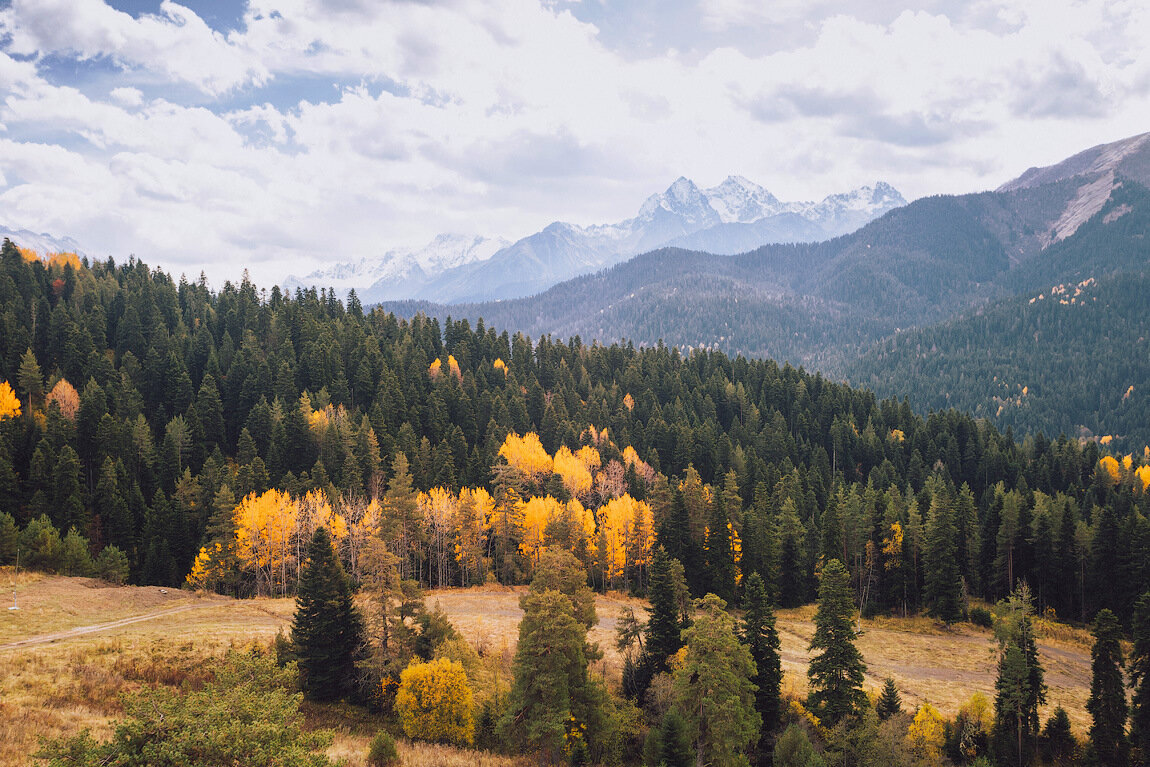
(445, 251)
(738, 200)
(683, 199)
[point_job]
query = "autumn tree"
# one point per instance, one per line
(434, 702)
(836, 673)
(327, 629)
(713, 687)
(9, 402)
(927, 734)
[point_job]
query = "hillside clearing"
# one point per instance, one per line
(73, 682)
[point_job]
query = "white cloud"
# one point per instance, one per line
(499, 117)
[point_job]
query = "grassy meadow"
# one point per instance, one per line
(92, 642)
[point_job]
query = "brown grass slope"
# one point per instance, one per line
(73, 680)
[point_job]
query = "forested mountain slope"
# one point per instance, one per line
(1075, 340)
(188, 405)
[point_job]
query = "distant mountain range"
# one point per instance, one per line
(845, 306)
(41, 243)
(733, 217)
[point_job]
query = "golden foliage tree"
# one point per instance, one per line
(434, 702)
(265, 532)
(9, 402)
(926, 735)
(526, 455)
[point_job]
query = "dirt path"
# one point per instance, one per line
(97, 627)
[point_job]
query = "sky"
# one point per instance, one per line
(283, 135)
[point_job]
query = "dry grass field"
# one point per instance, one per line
(142, 636)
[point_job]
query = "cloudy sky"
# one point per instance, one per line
(284, 134)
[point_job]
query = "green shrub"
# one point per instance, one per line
(980, 616)
(112, 565)
(381, 752)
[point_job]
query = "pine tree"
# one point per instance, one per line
(720, 556)
(1107, 702)
(1020, 688)
(674, 742)
(713, 688)
(762, 639)
(327, 629)
(889, 703)
(943, 581)
(836, 673)
(1140, 681)
(552, 685)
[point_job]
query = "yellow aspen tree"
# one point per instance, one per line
(434, 702)
(574, 472)
(1109, 470)
(501, 366)
(439, 508)
(453, 366)
(434, 368)
(265, 527)
(616, 528)
(9, 402)
(926, 735)
(537, 512)
(526, 455)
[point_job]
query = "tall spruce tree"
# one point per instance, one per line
(943, 579)
(836, 673)
(1140, 681)
(327, 630)
(720, 555)
(762, 639)
(1107, 702)
(1020, 687)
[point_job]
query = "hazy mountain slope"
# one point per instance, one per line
(732, 217)
(41, 243)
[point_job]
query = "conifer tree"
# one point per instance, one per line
(713, 688)
(720, 555)
(1107, 702)
(552, 686)
(1140, 681)
(762, 639)
(1020, 687)
(664, 628)
(943, 581)
(889, 702)
(836, 673)
(327, 629)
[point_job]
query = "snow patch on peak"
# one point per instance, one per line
(738, 200)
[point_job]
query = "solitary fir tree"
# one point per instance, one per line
(889, 703)
(1107, 702)
(327, 629)
(1020, 687)
(836, 673)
